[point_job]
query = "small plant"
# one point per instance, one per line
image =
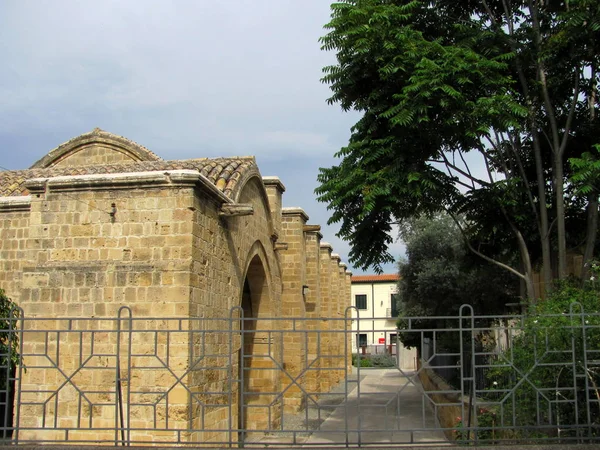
(383, 361)
(487, 419)
(366, 362)
(460, 434)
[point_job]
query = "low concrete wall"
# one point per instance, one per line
(448, 416)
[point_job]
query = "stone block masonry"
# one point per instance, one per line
(102, 223)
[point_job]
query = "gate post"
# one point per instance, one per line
(582, 360)
(16, 327)
(467, 365)
(122, 419)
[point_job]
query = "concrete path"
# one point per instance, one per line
(386, 407)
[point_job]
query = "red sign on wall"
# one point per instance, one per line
(382, 340)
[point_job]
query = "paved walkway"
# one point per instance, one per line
(386, 407)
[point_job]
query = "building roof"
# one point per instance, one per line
(224, 173)
(384, 278)
(97, 136)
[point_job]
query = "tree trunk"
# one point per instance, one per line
(543, 212)
(560, 216)
(528, 278)
(590, 236)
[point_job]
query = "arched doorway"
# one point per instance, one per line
(258, 372)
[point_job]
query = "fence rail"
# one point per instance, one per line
(243, 381)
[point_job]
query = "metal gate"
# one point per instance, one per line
(238, 381)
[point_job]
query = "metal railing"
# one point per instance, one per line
(242, 381)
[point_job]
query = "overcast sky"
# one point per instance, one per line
(186, 79)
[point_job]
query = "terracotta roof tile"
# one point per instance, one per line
(375, 278)
(224, 173)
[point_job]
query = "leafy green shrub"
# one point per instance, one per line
(365, 362)
(545, 368)
(9, 343)
(374, 360)
(383, 361)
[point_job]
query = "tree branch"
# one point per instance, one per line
(462, 172)
(481, 255)
(563, 144)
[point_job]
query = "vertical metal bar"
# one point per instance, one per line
(69, 378)
(346, 331)
(18, 314)
(358, 365)
(307, 375)
(13, 341)
(118, 399)
(585, 364)
(230, 375)
(7, 380)
(462, 371)
(124, 418)
(241, 401)
(586, 370)
(574, 367)
(129, 351)
(473, 397)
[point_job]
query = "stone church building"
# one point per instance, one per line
(101, 223)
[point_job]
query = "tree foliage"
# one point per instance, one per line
(9, 342)
(440, 275)
(513, 82)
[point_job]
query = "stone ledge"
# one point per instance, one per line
(11, 204)
(326, 246)
(294, 211)
(274, 181)
(169, 178)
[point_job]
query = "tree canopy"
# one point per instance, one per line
(440, 274)
(513, 82)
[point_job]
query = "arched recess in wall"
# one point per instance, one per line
(252, 179)
(257, 348)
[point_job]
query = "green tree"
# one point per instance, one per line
(511, 81)
(440, 274)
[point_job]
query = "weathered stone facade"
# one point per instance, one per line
(101, 223)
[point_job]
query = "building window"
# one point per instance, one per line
(360, 301)
(395, 300)
(361, 340)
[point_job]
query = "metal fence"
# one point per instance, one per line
(241, 381)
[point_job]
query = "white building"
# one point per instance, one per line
(374, 320)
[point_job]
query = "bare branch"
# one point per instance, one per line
(478, 253)
(462, 172)
(563, 144)
(467, 167)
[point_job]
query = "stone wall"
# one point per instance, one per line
(450, 407)
(94, 155)
(150, 246)
(14, 239)
(87, 258)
